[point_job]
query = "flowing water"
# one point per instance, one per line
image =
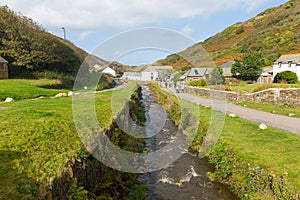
(186, 178)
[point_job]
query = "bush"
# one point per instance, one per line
(288, 76)
(197, 83)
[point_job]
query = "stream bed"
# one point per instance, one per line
(186, 178)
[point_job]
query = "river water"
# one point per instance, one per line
(186, 178)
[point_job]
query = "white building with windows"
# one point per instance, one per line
(290, 62)
(151, 73)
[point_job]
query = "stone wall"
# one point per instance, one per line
(276, 96)
(270, 96)
(211, 93)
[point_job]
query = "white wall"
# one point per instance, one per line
(286, 67)
(149, 76)
(132, 76)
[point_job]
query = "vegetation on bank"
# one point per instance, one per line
(257, 164)
(37, 140)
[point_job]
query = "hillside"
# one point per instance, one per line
(33, 53)
(273, 32)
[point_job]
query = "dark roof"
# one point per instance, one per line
(294, 58)
(228, 64)
(195, 72)
(2, 60)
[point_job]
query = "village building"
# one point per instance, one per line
(3, 68)
(151, 73)
(195, 74)
(226, 67)
(289, 62)
(265, 76)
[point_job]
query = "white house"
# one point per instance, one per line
(103, 69)
(136, 76)
(290, 62)
(151, 73)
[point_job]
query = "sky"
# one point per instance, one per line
(91, 23)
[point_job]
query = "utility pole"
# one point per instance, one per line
(63, 28)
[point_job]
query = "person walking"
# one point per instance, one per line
(182, 88)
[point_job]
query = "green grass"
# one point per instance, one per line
(273, 150)
(273, 108)
(25, 89)
(252, 87)
(37, 140)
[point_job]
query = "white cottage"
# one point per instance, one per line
(290, 62)
(103, 69)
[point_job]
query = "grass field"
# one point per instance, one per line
(274, 151)
(25, 89)
(37, 140)
(251, 87)
(273, 108)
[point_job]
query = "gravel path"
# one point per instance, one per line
(285, 123)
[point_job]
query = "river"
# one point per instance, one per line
(186, 178)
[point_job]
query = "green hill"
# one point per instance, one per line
(34, 53)
(274, 32)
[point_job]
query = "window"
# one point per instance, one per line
(279, 64)
(290, 63)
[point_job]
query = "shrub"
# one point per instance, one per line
(288, 76)
(197, 83)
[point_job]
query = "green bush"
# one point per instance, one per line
(197, 83)
(286, 76)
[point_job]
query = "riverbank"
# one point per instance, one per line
(257, 164)
(38, 138)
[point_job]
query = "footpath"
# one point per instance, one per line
(284, 123)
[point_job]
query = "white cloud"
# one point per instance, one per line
(186, 30)
(95, 14)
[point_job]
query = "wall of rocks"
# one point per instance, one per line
(276, 96)
(279, 96)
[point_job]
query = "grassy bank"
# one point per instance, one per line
(37, 140)
(25, 89)
(273, 108)
(257, 164)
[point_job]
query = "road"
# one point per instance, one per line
(284, 123)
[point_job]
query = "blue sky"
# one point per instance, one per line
(89, 23)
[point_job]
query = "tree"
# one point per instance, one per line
(248, 67)
(286, 76)
(217, 77)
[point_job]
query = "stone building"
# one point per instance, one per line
(3, 68)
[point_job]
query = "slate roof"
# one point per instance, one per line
(266, 72)
(2, 60)
(294, 58)
(196, 72)
(227, 64)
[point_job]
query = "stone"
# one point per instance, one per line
(232, 115)
(273, 111)
(245, 105)
(263, 126)
(70, 93)
(8, 100)
(207, 107)
(60, 95)
(291, 115)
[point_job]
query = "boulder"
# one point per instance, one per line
(8, 100)
(70, 93)
(291, 115)
(61, 95)
(232, 115)
(263, 126)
